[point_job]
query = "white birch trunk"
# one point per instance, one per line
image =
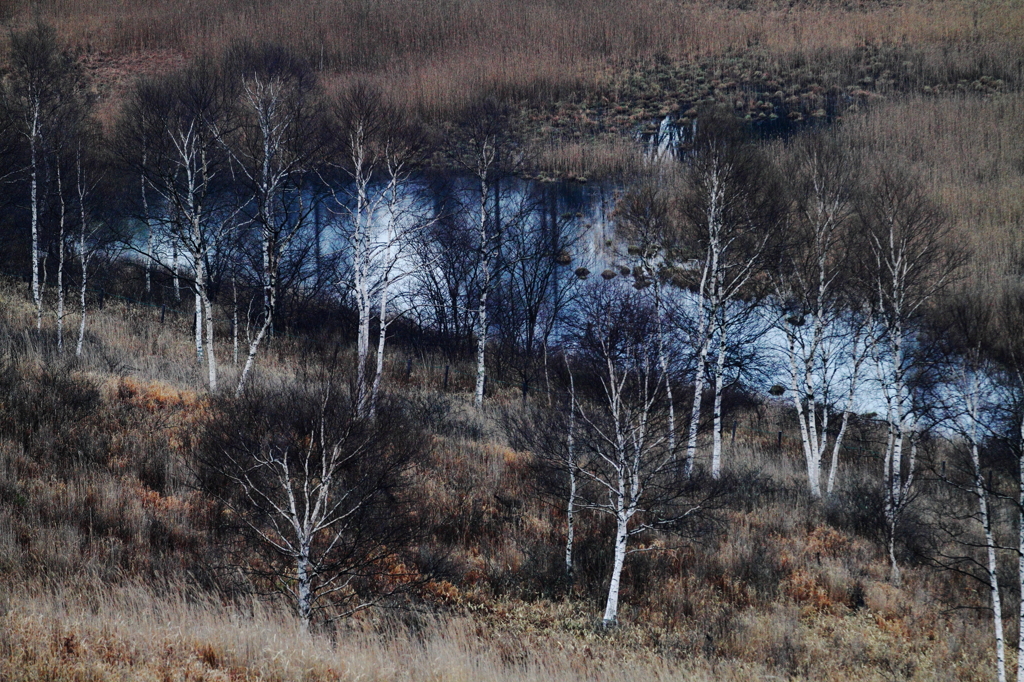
(716, 452)
(973, 395)
(698, 395)
(37, 293)
(481, 321)
(234, 322)
(199, 326)
(303, 584)
(570, 450)
(83, 255)
(1020, 557)
(611, 609)
(61, 220)
(381, 340)
(211, 358)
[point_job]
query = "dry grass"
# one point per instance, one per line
(438, 55)
(970, 153)
(101, 533)
(78, 631)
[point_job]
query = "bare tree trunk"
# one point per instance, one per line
(611, 609)
(1020, 556)
(82, 252)
(698, 394)
(149, 231)
(81, 292)
(199, 326)
(61, 219)
(303, 580)
(174, 269)
(716, 452)
(834, 466)
(992, 567)
(381, 340)
(250, 359)
(37, 294)
(485, 265)
(570, 445)
(211, 358)
(972, 396)
(234, 320)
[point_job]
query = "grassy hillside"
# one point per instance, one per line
(109, 552)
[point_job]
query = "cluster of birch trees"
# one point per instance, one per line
(247, 185)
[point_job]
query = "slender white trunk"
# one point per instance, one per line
(234, 321)
(570, 451)
(481, 346)
(611, 609)
(716, 452)
(211, 358)
(250, 359)
(303, 580)
(972, 396)
(381, 340)
(993, 578)
(37, 293)
(254, 343)
(662, 361)
(834, 465)
(82, 254)
(81, 291)
(481, 320)
(61, 220)
(698, 394)
(174, 269)
(1020, 557)
(199, 326)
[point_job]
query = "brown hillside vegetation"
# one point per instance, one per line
(106, 546)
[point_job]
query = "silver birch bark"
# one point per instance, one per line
(33, 140)
(487, 156)
(716, 452)
(84, 254)
(972, 395)
(61, 221)
(1020, 549)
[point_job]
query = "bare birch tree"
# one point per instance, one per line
(910, 260)
(732, 213)
(316, 490)
(44, 82)
(625, 467)
(276, 141)
(378, 227)
(823, 320)
(484, 142)
(181, 120)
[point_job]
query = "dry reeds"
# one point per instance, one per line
(436, 56)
